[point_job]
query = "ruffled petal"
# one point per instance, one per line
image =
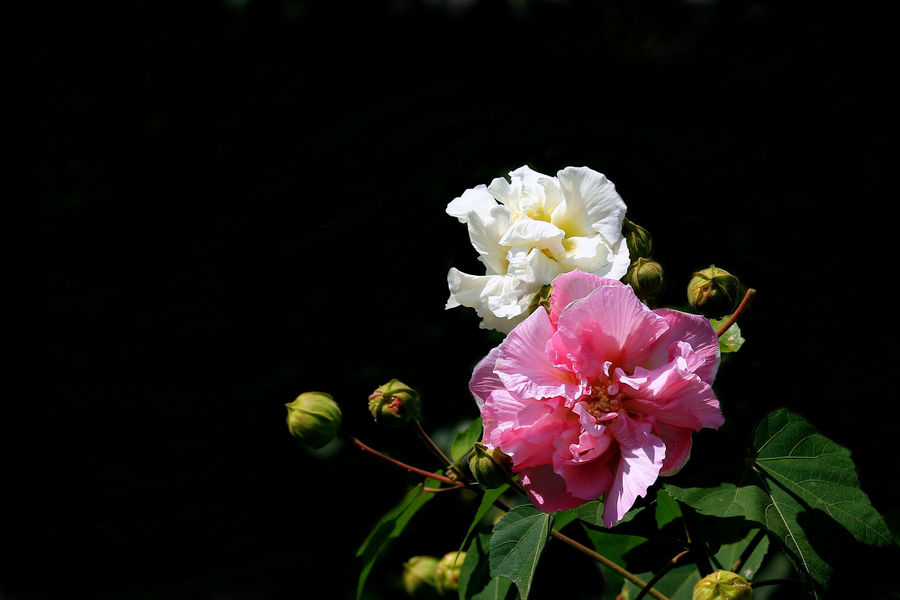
(610, 324)
(535, 234)
(547, 490)
(473, 201)
(485, 232)
(641, 458)
(696, 331)
(592, 204)
(572, 286)
(484, 380)
(524, 367)
(678, 442)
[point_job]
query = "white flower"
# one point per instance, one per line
(530, 229)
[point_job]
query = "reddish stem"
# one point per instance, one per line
(398, 463)
(737, 312)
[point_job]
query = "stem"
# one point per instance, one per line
(595, 555)
(737, 312)
(748, 551)
(396, 462)
(446, 462)
(645, 587)
(659, 575)
(756, 584)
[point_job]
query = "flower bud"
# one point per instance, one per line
(638, 239)
(314, 418)
(446, 573)
(713, 292)
(645, 277)
(419, 576)
(393, 403)
(722, 585)
(491, 468)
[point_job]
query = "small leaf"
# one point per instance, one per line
(667, 509)
(730, 340)
(592, 513)
(390, 526)
(516, 545)
(464, 440)
(487, 502)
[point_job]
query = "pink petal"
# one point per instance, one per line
(642, 456)
(572, 286)
(523, 365)
(678, 446)
(484, 380)
(696, 331)
(547, 490)
(674, 395)
(610, 324)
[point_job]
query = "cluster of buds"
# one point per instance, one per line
(713, 292)
(644, 275)
(432, 577)
(393, 403)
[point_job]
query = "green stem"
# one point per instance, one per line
(737, 312)
(756, 584)
(398, 463)
(429, 443)
(660, 574)
(748, 551)
(595, 555)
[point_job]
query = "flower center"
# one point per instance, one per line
(604, 399)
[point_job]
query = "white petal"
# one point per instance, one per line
(535, 234)
(592, 202)
(485, 233)
(533, 266)
(476, 200)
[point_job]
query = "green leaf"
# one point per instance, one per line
(731, 340)
(475, 581)
(465, 439)
(487, 502)
(613, 546)
(799, 485)
(729, 554)
(677, 584)
(389, 527)
(592, 513)
(667, 509)
(516, 545)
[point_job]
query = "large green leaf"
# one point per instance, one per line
(799, 485)
(516, 545)
(475, 581)
(389, 527)
(613, 546)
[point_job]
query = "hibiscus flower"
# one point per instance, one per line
(599, 395)
(529, 230)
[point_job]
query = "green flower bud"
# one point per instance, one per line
(446, 573)
(491, 468)
(419, 576)
(394, 403)
(638, 239)
(722, 585)
(713, 292)
(645, 277)
(314, 418)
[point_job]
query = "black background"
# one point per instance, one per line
(224, 204)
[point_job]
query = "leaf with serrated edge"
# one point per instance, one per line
(796, 471)
(516, 545)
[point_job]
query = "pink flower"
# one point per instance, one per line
(598, 397)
